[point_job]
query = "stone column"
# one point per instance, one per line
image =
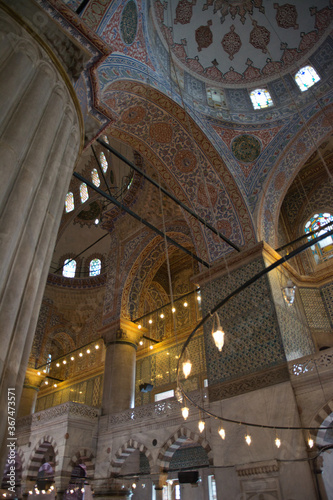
(41, 133)
(121, 340)
(30, 390)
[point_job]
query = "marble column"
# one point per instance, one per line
(121, 340)
(41, 135)
(32, 382)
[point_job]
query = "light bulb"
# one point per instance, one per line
(46, 382)
(134, 486)
(248, 439)
(222, 433)
(44, 371)
(96, 346)
(80, 354)
(150, 347)
(185, 412)
(96, 222)
(162, 315)
(218, 337)
(55, 385)
(289, 293)
(277, 442)
(185, 304)
(201, 425)
(141, 342)
(88, 351)
(139, 326)
(38, 373)
(72, 358)
(150, 321)
(310, 442)
(64, 361)
(187, 366)
(173, 309)
(57, 365)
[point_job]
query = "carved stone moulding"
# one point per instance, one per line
(258, 468)
(252, 382)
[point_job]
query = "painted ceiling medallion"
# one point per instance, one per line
(286, 15)
(234, 7)
(133, 115)
(231, 42)
(184, 11)
(185, 161)
(161, 132)
(246, 148)
(204, 36)
(129, 22)
(259, 37)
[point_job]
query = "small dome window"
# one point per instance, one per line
(84, 195)
(95, 177)
(306, 77)
(69, 268)
(69, 202)
(261, 98)
(95, 267)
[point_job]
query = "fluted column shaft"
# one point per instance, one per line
(40, 138)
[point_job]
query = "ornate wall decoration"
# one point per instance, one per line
(133, 115)
(286, 16)
(231, 42)
(161, 132)
(185, 161)
(184, 11)
(260, 37)
(204, 36)
(129, 22)
(246, 148)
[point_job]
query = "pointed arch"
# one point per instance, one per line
(284, 172)
(83, 456)
(124, 451)
(44, 445)
(323, 418)
(176, 441)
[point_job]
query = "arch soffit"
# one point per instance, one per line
(175, 442)
(292, 160)
(174, 119)
(124, 451)
(41, 447)
(143, 269)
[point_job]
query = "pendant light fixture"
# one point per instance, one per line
(218, 333)
(289, 293)
(187, 365)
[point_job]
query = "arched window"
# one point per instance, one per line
(84, 195)
(261, 98)
(104, 163)
(306, 77)
(69, 268)
(95, 267)
(323, 250)
(95, 177)
(105, 139)
(215, 98)
(69, 202)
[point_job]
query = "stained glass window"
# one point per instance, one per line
(95, 177)
(261, 98)
(84, 195)
(105, 139)
(69, 202)
(324, 248)
(95, 267)
(69, 268)
(306, 77)
(104, 163)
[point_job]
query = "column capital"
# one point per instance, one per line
(32, 380)
(122, 331)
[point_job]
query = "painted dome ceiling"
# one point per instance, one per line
(240, 41)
